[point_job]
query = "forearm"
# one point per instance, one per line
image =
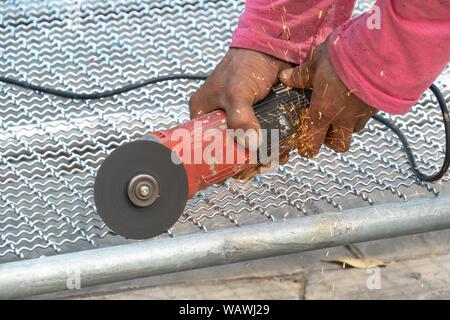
(289, 29)
(389, 68)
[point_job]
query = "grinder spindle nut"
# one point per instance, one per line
(143, 190)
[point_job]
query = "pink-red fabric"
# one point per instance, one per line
(388, 67)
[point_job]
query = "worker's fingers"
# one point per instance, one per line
(339, 137)
(242, 118)
(313, 127)
(359, 125)
(362, 120)
(298, 77)
(311, 141)
(312, 136)
(201, 103)
(240, 115)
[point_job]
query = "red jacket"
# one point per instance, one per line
(387, 56)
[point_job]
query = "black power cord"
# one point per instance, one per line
(102, 94)
(445, 115)
(388, 123)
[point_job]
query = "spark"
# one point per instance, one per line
(332, 140)
(312, 53)
(285, 27)
(270, 46)
(320, 14)
(273, 5)
(325, 90)
(238, 111)
(336, 41)
(350, 92)
(255, 76)
(362, 115)
(381, 73)
(416, 194)
(212, 166)
(349, 129)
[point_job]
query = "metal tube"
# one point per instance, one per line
(153, 257)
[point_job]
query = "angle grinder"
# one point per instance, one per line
(142, 187)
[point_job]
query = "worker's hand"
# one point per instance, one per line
(241, 79)
(335, 112)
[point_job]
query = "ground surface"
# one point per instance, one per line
(418, 267)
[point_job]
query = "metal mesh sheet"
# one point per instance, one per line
(50, 148)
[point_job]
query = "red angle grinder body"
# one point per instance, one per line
(142, 187)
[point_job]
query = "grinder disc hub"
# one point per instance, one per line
(143, 190)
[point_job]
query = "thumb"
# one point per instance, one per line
(299, 77)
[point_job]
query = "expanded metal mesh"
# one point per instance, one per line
(50, 148)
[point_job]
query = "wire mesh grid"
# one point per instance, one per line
(50, 147)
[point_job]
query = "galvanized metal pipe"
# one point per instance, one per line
(153, 257)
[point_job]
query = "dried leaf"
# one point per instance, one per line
(358, 263)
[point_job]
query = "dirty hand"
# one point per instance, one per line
(335, 112)
(241, 79)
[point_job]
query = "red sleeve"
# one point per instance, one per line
(390, 67)
(289, 29)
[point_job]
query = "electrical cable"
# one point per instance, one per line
(102, 94)
(388, 123)
(409, 153)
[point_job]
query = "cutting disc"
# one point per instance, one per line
(111, 192)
